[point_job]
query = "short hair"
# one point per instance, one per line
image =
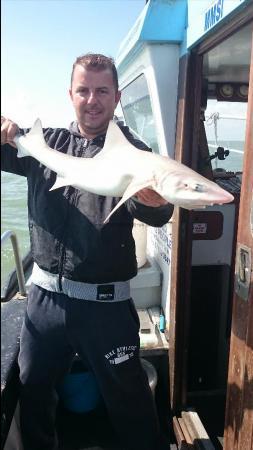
(97, 62)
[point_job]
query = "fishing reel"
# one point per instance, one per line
(221, 154)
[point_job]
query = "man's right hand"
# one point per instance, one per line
(9, 130)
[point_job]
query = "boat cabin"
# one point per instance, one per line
(185, 71)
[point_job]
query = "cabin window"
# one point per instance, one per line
(225, 124)
(137, 110)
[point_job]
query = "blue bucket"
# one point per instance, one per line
(79, 392)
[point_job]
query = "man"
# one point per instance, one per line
(79, 301)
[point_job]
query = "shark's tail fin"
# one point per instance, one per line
(34, 137)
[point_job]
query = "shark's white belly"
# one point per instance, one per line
(102, 177)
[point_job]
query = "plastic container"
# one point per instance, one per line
(140, 238)
(145, 287)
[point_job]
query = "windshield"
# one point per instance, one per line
(225, 124)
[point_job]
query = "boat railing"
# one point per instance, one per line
(18, 261)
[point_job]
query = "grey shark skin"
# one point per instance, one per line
(121, 170)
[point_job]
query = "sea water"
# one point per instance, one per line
(14, 218)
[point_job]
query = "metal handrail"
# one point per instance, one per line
(19, 266)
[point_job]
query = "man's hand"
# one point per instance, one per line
(9, 130)
(150, 197)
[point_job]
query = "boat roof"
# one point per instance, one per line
(186, 22)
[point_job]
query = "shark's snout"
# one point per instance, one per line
(191, 193)
(215, 196)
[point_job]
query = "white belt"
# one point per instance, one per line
(106, 292)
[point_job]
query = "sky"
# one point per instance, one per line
(40, 40)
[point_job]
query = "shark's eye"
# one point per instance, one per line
(198, 187)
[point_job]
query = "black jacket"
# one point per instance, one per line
(66, 227)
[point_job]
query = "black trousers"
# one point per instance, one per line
(105, 334)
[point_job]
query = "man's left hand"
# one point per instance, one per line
(150, 197)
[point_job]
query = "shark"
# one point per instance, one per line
(121, 170)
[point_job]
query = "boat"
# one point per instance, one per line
(178, 58)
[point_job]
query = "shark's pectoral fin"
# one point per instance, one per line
(60, 182)
(132, 189)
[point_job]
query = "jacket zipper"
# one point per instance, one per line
(62, 251)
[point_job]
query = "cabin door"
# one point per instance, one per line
(238, 384)
(238, 433)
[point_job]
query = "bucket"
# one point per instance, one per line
(151, 373)
(140, 238)
(79, 392)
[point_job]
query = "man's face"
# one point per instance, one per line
(94, 98)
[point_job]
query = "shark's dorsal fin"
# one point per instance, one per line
(132, 189)
(115, 140)
(36, 128)
(36, 132)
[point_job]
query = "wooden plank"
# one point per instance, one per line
(186, 433)
(194, 425)
(187, 133)
(246, 431)
(146, 325)
(238, 433)
(181, 442)
(245, 236)
(197, 431)
(154, 313)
